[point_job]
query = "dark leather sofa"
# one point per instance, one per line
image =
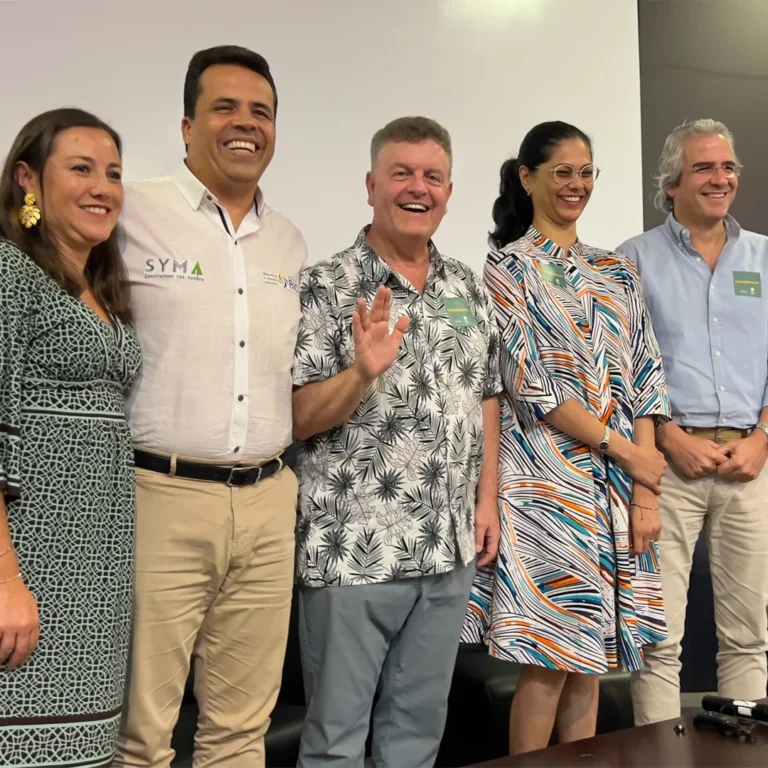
(482, 689)
(477, 727)
(478, 714)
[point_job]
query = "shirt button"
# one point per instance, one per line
(698, 258)
(711, 287)
(208, 197)
(240, 398)
(723, 421)
(717, 354)
(237, 448)
(240, 291)
(722, 388)
(242, 343)
(714, 319)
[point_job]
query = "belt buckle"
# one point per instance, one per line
(717, 433)
(232, 476)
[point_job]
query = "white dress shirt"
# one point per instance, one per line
(217, 312)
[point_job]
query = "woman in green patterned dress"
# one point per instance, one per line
(67, 357)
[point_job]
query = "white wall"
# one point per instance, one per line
(487, 69)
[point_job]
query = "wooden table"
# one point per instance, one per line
(649, 746)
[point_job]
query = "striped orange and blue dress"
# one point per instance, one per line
(565, 591)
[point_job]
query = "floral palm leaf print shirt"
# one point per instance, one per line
(390, 493)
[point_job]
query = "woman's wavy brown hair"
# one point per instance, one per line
(105, 272)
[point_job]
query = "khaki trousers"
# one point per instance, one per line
(214, 575)
(735, 519)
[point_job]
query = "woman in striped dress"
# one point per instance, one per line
(576, 587)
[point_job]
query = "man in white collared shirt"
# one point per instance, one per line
(214, 275)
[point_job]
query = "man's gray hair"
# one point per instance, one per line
(671, 160)
(411, 130)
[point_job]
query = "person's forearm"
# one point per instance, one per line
(324, 405)
(666, 432)
(575, 420)
(762, 419)
(644, 435)
(9, 566)
(645, 432)
(488, 484)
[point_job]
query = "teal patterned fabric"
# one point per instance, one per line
(66, 470)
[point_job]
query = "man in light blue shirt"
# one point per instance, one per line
(706, 285)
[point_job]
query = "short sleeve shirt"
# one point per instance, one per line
(390, 493)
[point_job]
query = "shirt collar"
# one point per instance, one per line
(194, 191)
(681, 235)
(549, 246)
(366, 253)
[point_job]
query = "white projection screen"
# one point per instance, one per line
(486, 69)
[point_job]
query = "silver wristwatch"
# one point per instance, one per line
(602, 446)
(763, 427)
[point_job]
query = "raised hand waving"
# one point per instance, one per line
(376, 348)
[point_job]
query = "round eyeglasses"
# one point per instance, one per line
(564, 174)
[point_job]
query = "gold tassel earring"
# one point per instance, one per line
(29, 214)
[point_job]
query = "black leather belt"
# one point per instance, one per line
(233, 476)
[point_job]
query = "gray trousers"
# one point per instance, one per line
(400, 636)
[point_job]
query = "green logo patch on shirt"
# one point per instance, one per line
(459, 313)
(747, 284)
(553, 273)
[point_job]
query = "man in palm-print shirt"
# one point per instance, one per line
(395, 402)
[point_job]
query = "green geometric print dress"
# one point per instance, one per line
(66, 471)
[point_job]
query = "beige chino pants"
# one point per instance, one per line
(214, 575)
(735, 519)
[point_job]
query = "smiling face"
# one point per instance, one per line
(561, 203)
(708, 181)
(81, 193)
(231, 138)
(409, 189)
